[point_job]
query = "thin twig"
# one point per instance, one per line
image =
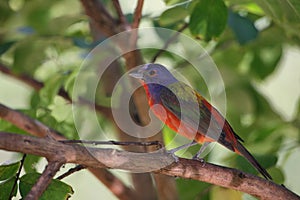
(27, 124)
(39, 85)
(119, 12)
(17, 176)
(44, 180)
(111, 142)
(135, 24)
(137, 14)
(168, 42)
(71, 171)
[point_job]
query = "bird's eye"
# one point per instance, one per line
(152, 72)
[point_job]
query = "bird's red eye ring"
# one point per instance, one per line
(152, 72)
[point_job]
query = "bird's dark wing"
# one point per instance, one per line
(186, 105)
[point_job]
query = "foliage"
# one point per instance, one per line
(46, 41)
(56, 189)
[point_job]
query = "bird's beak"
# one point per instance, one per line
(137, 72)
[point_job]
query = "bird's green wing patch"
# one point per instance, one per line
(185, 104)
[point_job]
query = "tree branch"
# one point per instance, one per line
(119, 12)
(97, 12)
(39, 129)
(27, 124)
(30, 81)
(71, 171)
(44, 180)
(135, 24)
(17, 176)
(137, 14)
(160, 164)
(142, 182)
(114, 184)
(38, 86)
(168, 42)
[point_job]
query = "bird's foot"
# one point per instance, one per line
(199, 159)
(173, 155)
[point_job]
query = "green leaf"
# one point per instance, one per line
(6, 187)
(7, 171)
(5, 46)
(277, 175)
(208, 19)
(219, 192)
(51, 88)
(5, 12)
(265, 60)
(60, 24)
(38, 14)
(242, 27)
(173, 15)
(28, 55)
(191, 189)
(286, 14)
(172, 2)
(57, 190)
(61, 110)
(30, 163)
(168, 135)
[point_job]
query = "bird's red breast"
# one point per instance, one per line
(173, 121)
(187, 112)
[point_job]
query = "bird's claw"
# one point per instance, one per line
(199, 159)
(173, 155)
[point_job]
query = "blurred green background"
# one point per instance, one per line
(256, 51)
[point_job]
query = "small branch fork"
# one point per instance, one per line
(39, 129)
(44, 180)
(161, 163)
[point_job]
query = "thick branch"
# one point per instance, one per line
(138, 162)
(39, 129)
(229, 178)
(142, 182)
(87, 156)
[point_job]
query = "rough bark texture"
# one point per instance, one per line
(161, 163)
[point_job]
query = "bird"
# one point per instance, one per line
(188, 113)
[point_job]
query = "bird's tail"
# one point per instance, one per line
(244, 152)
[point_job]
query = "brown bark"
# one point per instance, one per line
(161, 163)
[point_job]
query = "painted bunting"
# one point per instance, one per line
(185, 111)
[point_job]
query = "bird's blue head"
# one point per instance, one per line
(153, 73)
